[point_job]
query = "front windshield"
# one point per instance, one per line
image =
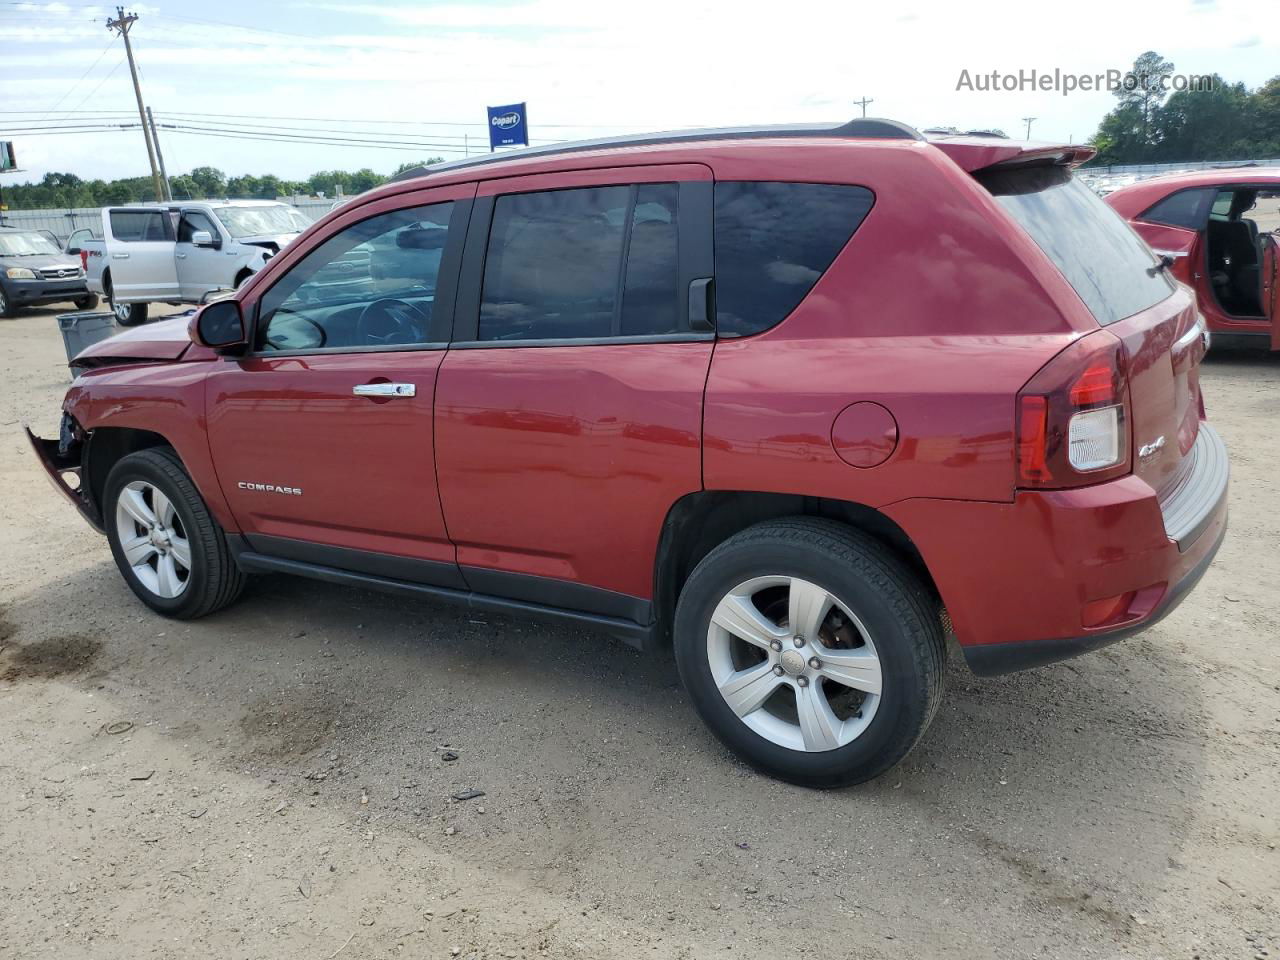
(25, 244)
(258, 221)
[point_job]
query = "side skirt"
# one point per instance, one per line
(635, 634)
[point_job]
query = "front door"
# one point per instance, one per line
(201, 269)
(569, 407)
(322, 434)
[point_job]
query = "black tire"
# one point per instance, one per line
(214, 580)
(898, 612)
(87, 303)
(7, 308)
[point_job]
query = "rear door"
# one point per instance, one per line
(205, 268)
(569, 407)
(140, 254)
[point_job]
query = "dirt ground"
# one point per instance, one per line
(272, 782)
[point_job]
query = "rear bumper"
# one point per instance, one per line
(1016, 578)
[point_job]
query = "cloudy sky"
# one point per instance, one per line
(413, 78)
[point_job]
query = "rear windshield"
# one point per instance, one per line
(1109, 266)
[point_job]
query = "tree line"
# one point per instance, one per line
(62, 190)
(1219, 121)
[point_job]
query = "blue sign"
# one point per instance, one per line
(508, 126)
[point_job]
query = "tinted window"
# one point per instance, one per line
(371, 285)
(1186, 208)
(1106, 262)
(190, 223)
(139, 225)
(553, 264)
(773, 242)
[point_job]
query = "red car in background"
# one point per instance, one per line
(1219, 227)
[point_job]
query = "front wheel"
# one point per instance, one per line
(7, 309)
(811, 651)
(87, 302)
(169, 548)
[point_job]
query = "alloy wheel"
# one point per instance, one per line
(121, 310)
(153, 540)
(794, 663)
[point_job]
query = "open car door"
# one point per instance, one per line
(1271, 285)
(1181, 245)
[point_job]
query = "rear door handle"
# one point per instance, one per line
(119, 256)
(385, 390)
(181, 256)
(700, 307)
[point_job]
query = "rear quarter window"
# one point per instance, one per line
(773, 241)
(1111, 269)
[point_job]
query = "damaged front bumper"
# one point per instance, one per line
(62, 460)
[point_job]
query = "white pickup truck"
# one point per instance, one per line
(181, 252)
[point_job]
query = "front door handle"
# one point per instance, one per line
(181, 256)
(385, 390)
(119, 256)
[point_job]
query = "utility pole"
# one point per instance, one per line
(863, 104)
(121, 24)
(1028, 121)
(164, 174)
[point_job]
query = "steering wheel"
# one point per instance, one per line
(389, 321)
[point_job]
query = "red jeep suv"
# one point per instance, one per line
(798, 402)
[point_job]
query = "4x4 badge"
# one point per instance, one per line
(1148, 450)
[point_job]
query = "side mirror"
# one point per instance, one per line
(73, 251)
(220, 326)
(203, 238)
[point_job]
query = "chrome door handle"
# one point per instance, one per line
(385, 390)
(181, 256)
(119, 256)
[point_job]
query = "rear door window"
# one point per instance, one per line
(1186, 208)
(1111, 269)
(773, 241)
(583, 263)
(135, 226)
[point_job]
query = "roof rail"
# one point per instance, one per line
(861, 128)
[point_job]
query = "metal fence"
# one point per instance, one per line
(62, 223)
(1155, 169)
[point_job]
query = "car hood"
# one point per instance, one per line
(159, 341)
(41, 261)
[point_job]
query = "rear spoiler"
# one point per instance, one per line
(982, 153)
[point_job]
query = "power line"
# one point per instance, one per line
(416, 148)
(346, 133)
(88, 96)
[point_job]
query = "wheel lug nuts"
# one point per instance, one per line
(815, 663)
(798, 641)
(776, 645)
(778, 671)
(802, 681)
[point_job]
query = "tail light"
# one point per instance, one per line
(84, 260)
(1073, 417)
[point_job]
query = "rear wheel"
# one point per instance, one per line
(127, 314)
(170, 550)
(811, 651)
